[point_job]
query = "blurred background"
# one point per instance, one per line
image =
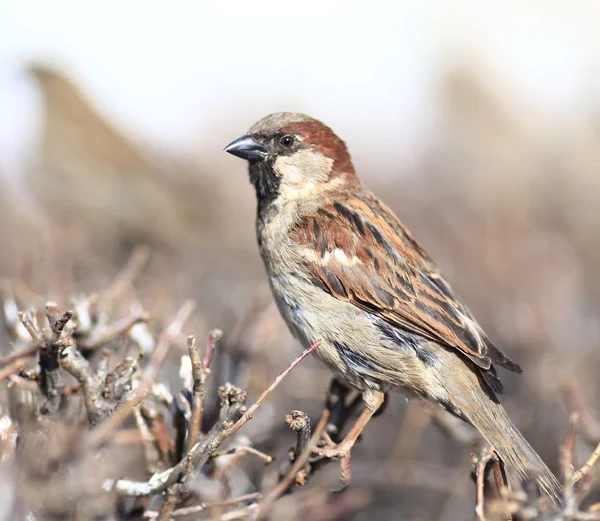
(479, 123)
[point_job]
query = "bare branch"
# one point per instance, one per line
(24, 354)
(481, 463)
(587, 466)
(159, 354)
(213, 337)
(245, 450)
(151, 454)
(566, 462)
(52, 382)
(232, 405)
(199, 391)
(104, 335)
(290, 477)
(97, 407)
(203, 507)
(299, 422)
(16, 366)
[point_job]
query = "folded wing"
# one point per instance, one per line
(357, 250)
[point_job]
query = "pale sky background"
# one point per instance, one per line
(191, 75)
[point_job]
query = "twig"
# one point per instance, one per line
(481, 464)
(52, 382)
(202, 507)
(117, 384)
(501, 481)
(167, 508)
(572, 434)
(587, 466)
(566, 462)
(232, 404)
(299, 422)
(242, 513)
(213, 337)
(101, 391)
(74, 363)
(109, 425)
(290, 477)
(105, 335)
(199, 375)
(27, 321)
(247, 450)
(151, 454)
(16, 366)
(157, 427)
(23, 354)
(159, 354)
(198, 391)
(57, 322)
(200, 372)
(11, 315)
(250, 412)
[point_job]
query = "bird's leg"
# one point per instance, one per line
(373, 401)
(340, 407)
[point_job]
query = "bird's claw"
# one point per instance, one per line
(340, 451)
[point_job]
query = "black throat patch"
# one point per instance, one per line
(266, 183)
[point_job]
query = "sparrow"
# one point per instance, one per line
(344, 270)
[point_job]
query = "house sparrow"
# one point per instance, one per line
(344, 270)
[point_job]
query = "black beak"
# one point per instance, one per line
(247, 148)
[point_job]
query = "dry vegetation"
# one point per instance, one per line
(109, 410)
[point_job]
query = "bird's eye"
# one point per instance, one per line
(287, 141)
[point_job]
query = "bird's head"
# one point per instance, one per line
(293, 156)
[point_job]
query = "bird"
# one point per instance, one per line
(87, 170)
(345, 271)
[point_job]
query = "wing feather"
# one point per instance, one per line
(359, 251)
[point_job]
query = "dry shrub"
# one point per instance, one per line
(506, 205)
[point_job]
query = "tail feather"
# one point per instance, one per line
(491, 420)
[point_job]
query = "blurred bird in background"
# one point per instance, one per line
(87, 170)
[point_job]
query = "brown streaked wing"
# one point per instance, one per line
(383, 270)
